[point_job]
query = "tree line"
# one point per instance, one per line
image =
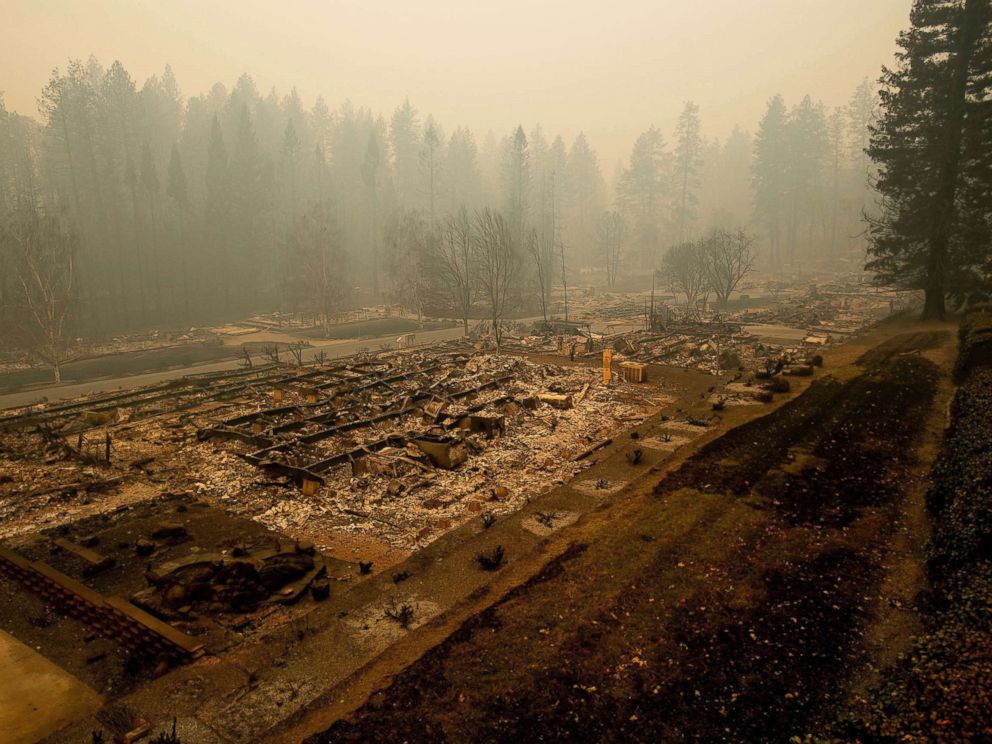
(189, 210)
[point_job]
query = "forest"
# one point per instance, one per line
(176, 210)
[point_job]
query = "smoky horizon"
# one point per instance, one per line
(569, 67)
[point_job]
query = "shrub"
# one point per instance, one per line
(402, 615)
(492, 560)
(974, 343)
(777, 385)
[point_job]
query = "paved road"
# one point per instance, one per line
(333, 349)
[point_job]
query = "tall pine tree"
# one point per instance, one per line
(931, 146)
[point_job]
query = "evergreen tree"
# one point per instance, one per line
(517, 184)
(769, 176)
(217, 213)
(430, 167)
(931, 146)
(806, 143)
(405, 141)
(583, 197)
(462, 172)
(688, 159)
(642, 191)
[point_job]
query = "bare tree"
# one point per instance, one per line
(611, 233)
(683, 270)
(541, 250)
(318, 266)
(451, 262)
(42, 255)
(497, 265)
(370, 174)
(408, 239)
(727, 258)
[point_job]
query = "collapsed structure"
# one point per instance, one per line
(191, 516)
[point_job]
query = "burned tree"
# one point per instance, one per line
(408, 240)
(451, 263)
(727, 258)
(683, 271)
(497, 265)
(541, 248)
(611, 233)
(318, 265)
(41, 253)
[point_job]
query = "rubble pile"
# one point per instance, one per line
(403, 450)
(791, 327)
(402, 445)
(234, 582)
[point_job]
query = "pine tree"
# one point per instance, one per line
(405, 142)
(688, 159)
(931, 146)
(517, 184)
(806, 138)
(769, 174)
(642, 188)
(583, 196)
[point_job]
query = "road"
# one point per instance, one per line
(333, 349)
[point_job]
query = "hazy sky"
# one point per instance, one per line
(608, 68)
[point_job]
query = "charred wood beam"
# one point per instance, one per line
(393, 440)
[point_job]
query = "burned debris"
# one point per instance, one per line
(236, 506)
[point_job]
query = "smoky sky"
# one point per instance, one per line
(610, 69)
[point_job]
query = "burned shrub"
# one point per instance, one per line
(365, 567)
(777, 385)
(402, 614)
(546, 518)
(167, 738)
(320, 590)
(492, 560)
(401, 576)
(488, 520)
(635, 456)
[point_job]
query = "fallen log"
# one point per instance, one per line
(597, 446)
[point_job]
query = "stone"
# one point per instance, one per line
(320, 590)
(171, 532)
(305, 547)
(175, 596)
(144, 546)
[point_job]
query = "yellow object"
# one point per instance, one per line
(634, 371)
(607, 360)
